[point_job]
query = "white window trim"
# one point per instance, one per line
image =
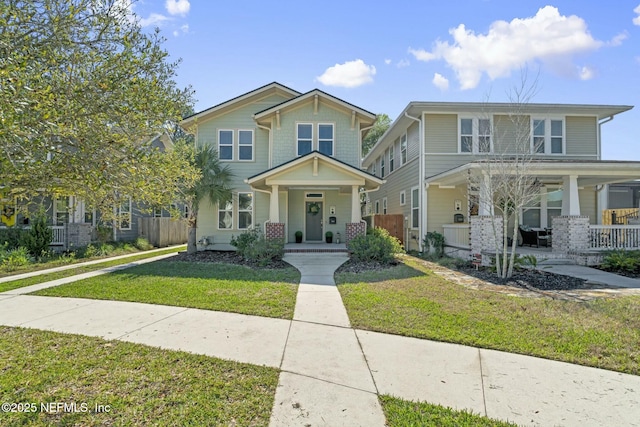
(475, 135)
(547, 135)
(56, 211)
(253, 204)
(403, 198)
(232, 145)
(392, 158)
(298, 139)
(333, 138)
(384, 206)
(382, 165)
(225, 210)
(253, 145)
(120, 227)
(406, 149)
(417, 226)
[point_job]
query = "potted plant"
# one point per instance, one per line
(328, 237)
(298, 236)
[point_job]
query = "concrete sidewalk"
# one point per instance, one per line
(593, 275)
(331, 374)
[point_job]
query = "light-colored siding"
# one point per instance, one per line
(440, 206)
(588, 203)
(441, 133)
(582, 136)
(511, 134)
(413, 141)
(346, 142)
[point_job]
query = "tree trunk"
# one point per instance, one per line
(192, 247)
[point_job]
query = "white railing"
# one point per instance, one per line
(58, 235)
(457, 235)
(614, 236)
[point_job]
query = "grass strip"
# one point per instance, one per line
(210, 286)
(15, 284)
(122, 383)
(402, 413)
(411, 300)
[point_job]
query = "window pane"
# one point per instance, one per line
(225, 220)
(304, 147)
(245, 201)
(325, 132)
(484, 127)
(466, 144)
(552, 213)
(414, 218)
(227, 207)
(554, 199)
(244, 220)
(245, 137)
(538, 144)
(538, 127)
(245, 153)
(531, 217)
(466, 126)
(226, 152)
(556, 127)
(326, 147)
(484, 144)
(414, 198)
(556, 145)
(304, 131)
(226, 137)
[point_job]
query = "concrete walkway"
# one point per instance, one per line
(331, 374)
(593, 275)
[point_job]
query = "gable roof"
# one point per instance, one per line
(271, 88)
(366, 117)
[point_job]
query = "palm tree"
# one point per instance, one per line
(214, 184)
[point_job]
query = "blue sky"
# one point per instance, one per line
(382, 55)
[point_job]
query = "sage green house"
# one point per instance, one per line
(434, 160)
(296, 161)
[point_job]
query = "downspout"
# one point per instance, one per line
(607, 120)
(270, 142)
(422, 225)
(601, 198)
(261, 191)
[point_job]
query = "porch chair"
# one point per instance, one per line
(532, 237)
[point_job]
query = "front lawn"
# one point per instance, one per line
(210, 286)
(401, 413)
(411, 300)
(132, 384)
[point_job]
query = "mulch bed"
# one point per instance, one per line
(226, 257)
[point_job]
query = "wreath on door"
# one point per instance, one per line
(314, 208)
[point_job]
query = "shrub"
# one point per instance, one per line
(433, 241)
(622, 260)
(253, 246)
(16, 258)
(90, 251)
(104, 233)
(142, 244)
(38, 238)
(11, 237)
(377, 245)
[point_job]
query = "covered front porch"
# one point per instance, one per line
(565, 216)
(314, 198)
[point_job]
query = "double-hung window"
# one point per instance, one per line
(325, 139)
(305, 138)
(61, 211)
(475, 135)
(124, 214)
(382, 166)
(245, 210)
(373, 167)
(391, 166)
(403, 149)
(415, 208)
(384, 205)
(225, 216)
(547, 136)
(245, 145)
(225, 144)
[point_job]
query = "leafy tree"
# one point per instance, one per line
(82, 91)
(213, 183)
(379, 128)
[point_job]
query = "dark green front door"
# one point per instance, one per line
(313, 222)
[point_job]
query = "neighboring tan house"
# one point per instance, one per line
(296, 163)
(431, 151)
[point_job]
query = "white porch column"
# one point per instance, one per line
(570, 198)
(485, 201)
(274, 205)
(355, 204)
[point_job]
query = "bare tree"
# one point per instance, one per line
(506, 174)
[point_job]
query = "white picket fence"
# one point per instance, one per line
(614, 237)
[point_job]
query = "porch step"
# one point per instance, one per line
(315, 250)
(558, 261)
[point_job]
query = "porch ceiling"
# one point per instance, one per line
(589, 173)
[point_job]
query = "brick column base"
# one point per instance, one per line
(274, 230)
(78, 235)
(354, 229)
(483, 238)
(570, 233)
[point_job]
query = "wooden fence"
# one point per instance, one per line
(164, 231)
(621, 215)
(394, 224)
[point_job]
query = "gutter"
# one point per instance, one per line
(422, 203)
(600, 123)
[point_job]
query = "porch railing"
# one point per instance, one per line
(614, 237)
(58, 235)
(457, 235)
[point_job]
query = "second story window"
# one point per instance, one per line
(403, 149)
(305, 138)
(225, 144)
(391, 165)
(245, 145)
(382, 166)
(475, 136)
(547, 136)
(325, 139)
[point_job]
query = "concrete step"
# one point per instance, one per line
(315, 250)
(557, 261)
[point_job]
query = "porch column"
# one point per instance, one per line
(570, 198)
(274, 205)
(485, 201)
(355, 204)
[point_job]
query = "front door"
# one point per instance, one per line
(313, 221)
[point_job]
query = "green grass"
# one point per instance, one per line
(15, 284)
(211, 286)
(411, 300)
(141, 385)
(401, 413)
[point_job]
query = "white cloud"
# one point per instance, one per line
(154, 19)
(618, 39)
(183, 30)
(636, 20)
(547, 37)
(440, 81)
(403, 63)
(586, 73)
(350, 74)
(387, 61)
(178, 7)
